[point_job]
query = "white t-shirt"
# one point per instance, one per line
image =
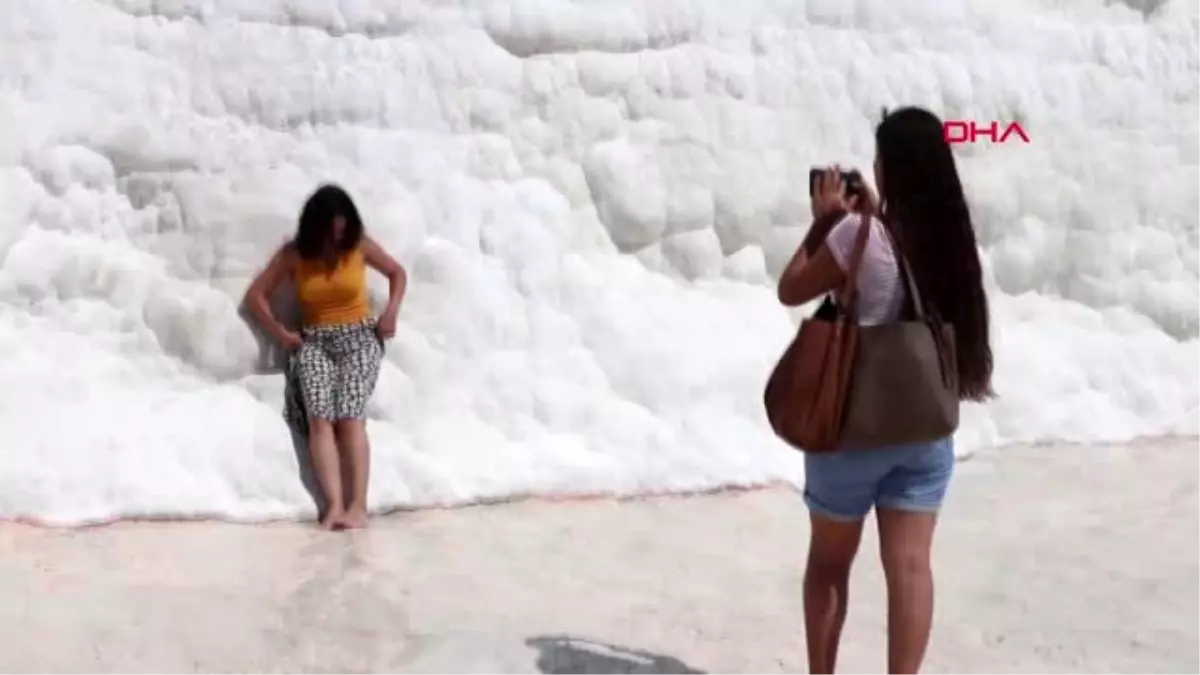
(881, 292)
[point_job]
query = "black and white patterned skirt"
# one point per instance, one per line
(335, 371)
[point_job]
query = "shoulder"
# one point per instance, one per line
(848, 224)
(845, 231)
(288, 252)
(844, 235)
(844, 221)
(367, 245)
(286, 256)
(370, 250)
(377, 257)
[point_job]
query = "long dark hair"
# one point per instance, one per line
(314, 233)
(923, 202)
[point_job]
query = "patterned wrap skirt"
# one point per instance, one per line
(333, 374)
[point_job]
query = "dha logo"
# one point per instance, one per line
(968, 131)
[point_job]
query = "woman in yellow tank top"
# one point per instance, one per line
(337, 353)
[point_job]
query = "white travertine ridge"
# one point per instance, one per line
(592, 199)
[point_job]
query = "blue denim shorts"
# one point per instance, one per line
(845, 485)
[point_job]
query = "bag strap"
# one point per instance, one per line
(848, 298)
(944, 362)
(910, 283)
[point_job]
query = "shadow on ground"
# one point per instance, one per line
(272, 360)
(564, 654)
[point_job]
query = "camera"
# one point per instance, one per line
(851, 179)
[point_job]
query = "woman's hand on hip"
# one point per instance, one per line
(386, 325)
(290, 340)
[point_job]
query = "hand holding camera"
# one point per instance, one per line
(832, 189)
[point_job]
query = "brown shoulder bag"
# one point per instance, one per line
(842, 386)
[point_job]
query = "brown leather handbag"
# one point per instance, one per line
(842, 386)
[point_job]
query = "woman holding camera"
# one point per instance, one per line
(922, 218)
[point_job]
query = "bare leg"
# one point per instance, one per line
(356, 452)
(831, 552)
(905, 540)
(323, 446)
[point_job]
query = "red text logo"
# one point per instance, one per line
(970, 131)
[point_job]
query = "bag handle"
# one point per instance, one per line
(910, 283)
(934, 323)
(866, 221)
(848, 298)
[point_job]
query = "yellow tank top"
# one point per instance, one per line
(333, 296)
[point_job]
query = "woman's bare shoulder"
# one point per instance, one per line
(286, 257)
(287, 252)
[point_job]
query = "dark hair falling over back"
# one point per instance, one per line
(922, 199)
(314, 235)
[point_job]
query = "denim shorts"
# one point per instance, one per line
(845, 485)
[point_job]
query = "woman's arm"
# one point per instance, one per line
(821, 227)
(813, 270)
(257, 296)
(386, 265)
(807, 277)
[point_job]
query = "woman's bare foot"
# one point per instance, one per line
(355, 518)
(333, 520)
